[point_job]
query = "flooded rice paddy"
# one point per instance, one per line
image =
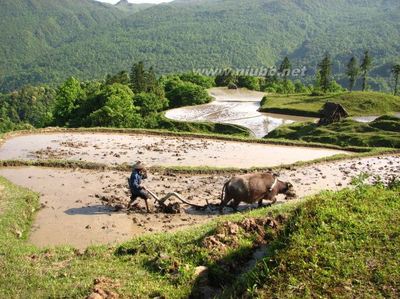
(239, 107)
(155, 150)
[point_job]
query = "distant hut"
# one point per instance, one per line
(332, 112)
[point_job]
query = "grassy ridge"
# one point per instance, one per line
(356, 103)
(203, 127)
(383, 132)
(338, 245)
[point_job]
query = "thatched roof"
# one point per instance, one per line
(331, 109)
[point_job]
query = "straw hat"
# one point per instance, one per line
(139, 166)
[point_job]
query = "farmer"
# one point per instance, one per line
(139, 173)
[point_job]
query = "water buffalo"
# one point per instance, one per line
(251, 188)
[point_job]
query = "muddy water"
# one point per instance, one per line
(155, 150)
(235, 107)
(72, 212)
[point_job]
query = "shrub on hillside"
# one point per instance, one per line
(186, 94)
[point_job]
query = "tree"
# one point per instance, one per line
(286, 87)
(365, 67)
(66, 98)
(270, 77)
(122, 77)
(396, 74)
(138, 77)
(225, 78)
(204, 81)
(325, 73)
(151, 80)
(335, 87)
(33, 105)
(352, 72)
(187, 94)
(285, 67)
(249, 82)
(90, 101)
(118, 109)
(299, 87)
(149, 103)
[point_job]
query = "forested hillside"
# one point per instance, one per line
(49, 40)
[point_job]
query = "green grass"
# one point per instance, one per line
(344, 244)
(356, 103)
(383, 132)
(337, 245)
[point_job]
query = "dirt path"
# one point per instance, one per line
(155, 150)
(73, 213)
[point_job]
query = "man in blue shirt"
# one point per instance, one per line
(139, 173)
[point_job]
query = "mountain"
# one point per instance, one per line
(49, 40)
(32, 30)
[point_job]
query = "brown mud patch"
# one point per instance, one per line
(103, 288)
(74, 211)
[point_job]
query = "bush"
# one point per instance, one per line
(249, 82)
(187, 94)
(67, 96)
(281, 87)
(149, 103)
(317, 93)
(286, 87)
(225, 78)
(299, 87)
(203, 81)
(335, 87)
(118, 110)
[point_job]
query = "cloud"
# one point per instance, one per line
(136, 1)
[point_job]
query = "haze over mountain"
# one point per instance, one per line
(132, 7)
(49, 40)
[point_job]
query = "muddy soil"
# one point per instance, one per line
(74, 212)
(114, 149)
(239, 107)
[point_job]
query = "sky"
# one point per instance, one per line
(136, 1)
